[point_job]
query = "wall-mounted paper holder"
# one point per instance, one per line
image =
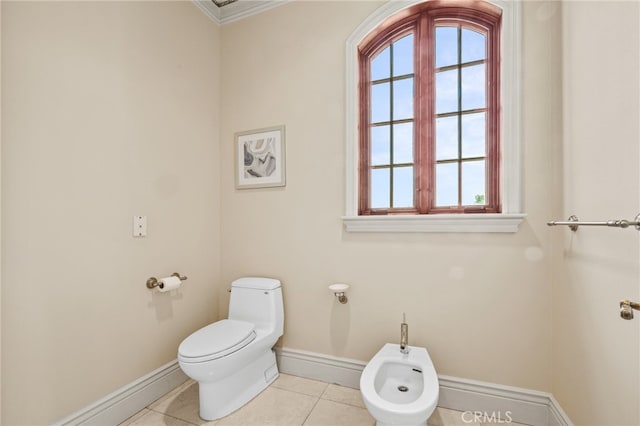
(339, 290)
(153, 281)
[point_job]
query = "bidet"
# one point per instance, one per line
(400, 388)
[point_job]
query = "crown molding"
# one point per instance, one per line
(209, 9)
(236, 11)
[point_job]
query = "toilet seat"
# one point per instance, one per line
(216, 341)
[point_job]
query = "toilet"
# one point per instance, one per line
(400, 388)
(232, 360)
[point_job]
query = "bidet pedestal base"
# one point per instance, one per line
(225, 396)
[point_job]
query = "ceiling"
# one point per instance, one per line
(236, 9)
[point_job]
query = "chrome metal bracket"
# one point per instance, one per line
(626, 309)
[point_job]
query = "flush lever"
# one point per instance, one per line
(626, 309)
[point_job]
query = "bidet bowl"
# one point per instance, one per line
(400, 389)
(399, 383)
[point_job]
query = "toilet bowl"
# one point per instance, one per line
(399, 388)
(232, 360)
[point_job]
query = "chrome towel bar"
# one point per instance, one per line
(573, 223)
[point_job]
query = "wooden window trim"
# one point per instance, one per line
(421, 21)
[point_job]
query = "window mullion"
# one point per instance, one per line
(459, 47)
(391, 88)
(424, 129)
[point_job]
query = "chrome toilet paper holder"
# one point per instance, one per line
(153, 281)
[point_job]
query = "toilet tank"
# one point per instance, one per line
(259, 301)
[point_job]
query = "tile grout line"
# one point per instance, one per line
(311, 411)
(173, 417)
(304, 394)
(342, 402)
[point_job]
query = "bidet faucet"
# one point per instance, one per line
(404, 335)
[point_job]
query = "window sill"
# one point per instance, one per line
(452, 223)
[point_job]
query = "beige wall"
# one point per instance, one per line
(481, 303)
(113, 109)
(596, 354)
(0, 213)
(110, 109)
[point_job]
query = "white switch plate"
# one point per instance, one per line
(139, 226)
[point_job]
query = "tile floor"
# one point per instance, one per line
(289, 401)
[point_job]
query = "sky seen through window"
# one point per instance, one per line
(460, 120)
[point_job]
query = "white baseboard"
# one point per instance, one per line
(128, 400)
(557, 416)
(524, 405)
(326, 368)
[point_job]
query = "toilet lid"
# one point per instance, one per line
(216, 340)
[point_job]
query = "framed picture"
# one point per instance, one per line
(260, 158)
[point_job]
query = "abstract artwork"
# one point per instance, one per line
(260, 158)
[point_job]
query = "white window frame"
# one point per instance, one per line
(511, 165)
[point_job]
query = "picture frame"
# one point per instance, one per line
(260, 158)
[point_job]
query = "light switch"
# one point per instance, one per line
(139, 226)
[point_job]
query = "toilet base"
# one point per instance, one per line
(222, 397)
(403, 424)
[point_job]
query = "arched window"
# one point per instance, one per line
(430, 113)
(430, 110)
